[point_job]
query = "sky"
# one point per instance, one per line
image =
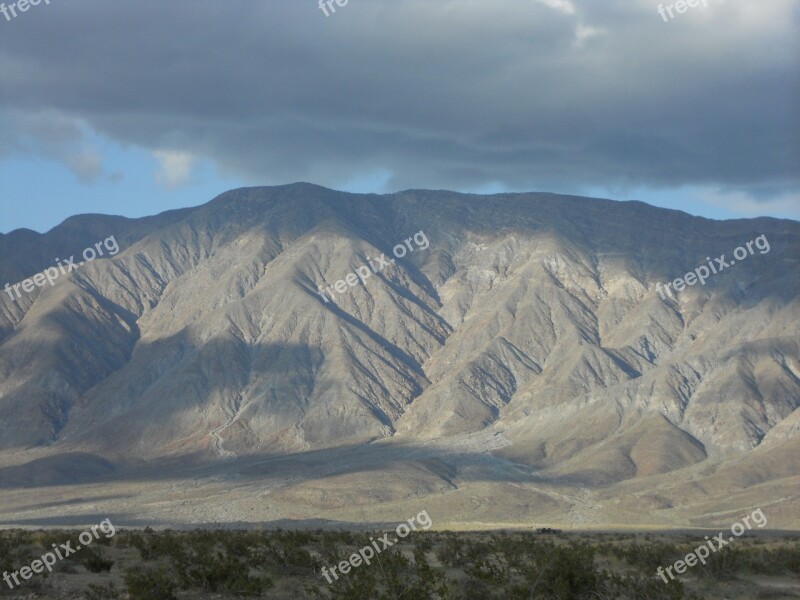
(136, 107)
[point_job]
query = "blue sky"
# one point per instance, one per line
(39, 193)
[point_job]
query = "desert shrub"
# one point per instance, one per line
(223, 573)
(390, 575)
(568, 573)
(778, 561)
(142, 544)
(66, 567)
(354, 586)
(150, 584)
(650, 555)
(6, 563)
(724, 564)
(46, 539)
(328, 547)
(471, 589)
(489, 569)
(95, 562)
(16, 548)
(635, 587)
(153, 546)
(100, 592)
(104, 540)
(299, 558)
(451, 551)
(219, 561)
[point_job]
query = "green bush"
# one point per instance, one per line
(95, 562)
(150, 584)
(99, 592)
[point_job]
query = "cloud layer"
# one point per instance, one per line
(462, 94)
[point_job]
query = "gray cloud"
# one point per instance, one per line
(52, 135)
(438, 93)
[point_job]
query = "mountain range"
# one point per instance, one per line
(522, 367)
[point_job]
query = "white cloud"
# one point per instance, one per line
(562, 5)
(87, 165)
(175, 167)
(585, 32)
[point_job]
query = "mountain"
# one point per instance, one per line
(500, 360)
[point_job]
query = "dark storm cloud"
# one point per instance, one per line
(452, 94)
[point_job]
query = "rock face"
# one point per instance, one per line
(523, 331)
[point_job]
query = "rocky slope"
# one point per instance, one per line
(523, 350)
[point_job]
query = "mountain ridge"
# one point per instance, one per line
(529, 332)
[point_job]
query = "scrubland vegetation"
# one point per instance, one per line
(170, 565)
